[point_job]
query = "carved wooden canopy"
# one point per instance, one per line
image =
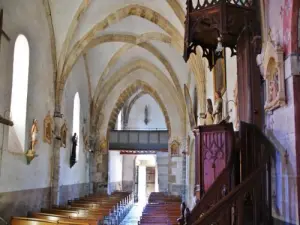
(210, 19)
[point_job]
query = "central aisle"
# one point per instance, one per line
(134, 215)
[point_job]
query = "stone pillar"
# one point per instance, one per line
(55, 190)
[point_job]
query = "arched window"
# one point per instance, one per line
(76, 121)
(119, 121)
(18, 107)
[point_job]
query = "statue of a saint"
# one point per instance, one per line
(73, 153)
(209, 119)
(218, 112)
(34, 133)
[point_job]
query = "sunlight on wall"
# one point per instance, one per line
(18, 105)
(119, 122)
(76, 121)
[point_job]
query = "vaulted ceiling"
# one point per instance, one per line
(121, 35)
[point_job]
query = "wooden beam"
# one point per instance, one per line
(6, 121)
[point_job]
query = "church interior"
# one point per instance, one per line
(149, 112)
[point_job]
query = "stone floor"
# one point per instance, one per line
(134, 215)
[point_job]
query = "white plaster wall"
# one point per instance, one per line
(231, 77)
(128, 167)
(115, 166)
(15, 173)
(77, 82)
(137, 116)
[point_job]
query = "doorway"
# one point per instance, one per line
(146, 178)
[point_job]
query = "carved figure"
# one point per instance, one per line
(103, 146)
(34, 134)
(175, 148)
(48, 129)
(73, 153)
(272, 65)
(209, 119)
(63, 135)
(273, 87)
(218, 112)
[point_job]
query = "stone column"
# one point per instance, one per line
(55, 162)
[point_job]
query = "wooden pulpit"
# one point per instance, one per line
(214, 144)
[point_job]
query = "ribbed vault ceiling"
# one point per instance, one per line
(112, 35)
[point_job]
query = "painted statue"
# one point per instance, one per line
(218, 112)
(73, 153)
(175, 148)
(34, 134)
(273, 87)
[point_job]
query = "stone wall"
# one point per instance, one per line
(19, 203)
(69, 192)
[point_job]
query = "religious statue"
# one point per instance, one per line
(73, 153)
(208, 116)
(273, 87)
(30, 153)
(48, 129)
(34, 133)
(63, 135)
(103, 146)
(218, 112)
(175, 148)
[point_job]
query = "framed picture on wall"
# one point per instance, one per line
(219, 74)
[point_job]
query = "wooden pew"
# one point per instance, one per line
(34, 221)
(161, 210)
(88, 210)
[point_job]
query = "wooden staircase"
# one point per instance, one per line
(241, 194)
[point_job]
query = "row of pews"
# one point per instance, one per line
(162, 209)
(96, 209)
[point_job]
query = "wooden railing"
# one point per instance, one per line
(242, 192)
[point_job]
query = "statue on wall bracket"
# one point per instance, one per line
(63, 135)
(31, 153)
(48, 124)
(175, 148)
(272, 66)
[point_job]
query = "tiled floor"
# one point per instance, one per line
(134, 215)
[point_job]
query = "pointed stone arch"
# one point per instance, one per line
(127, 93)
(121, 74)
(66, 63)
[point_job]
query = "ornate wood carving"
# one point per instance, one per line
(210, 19)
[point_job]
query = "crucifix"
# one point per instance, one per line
(1, 28)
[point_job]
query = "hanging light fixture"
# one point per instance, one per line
(220, 47)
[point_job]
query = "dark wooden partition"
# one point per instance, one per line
(214, 144)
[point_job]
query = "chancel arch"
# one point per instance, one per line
(131, 90)
(129, 68)
(18, 107)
